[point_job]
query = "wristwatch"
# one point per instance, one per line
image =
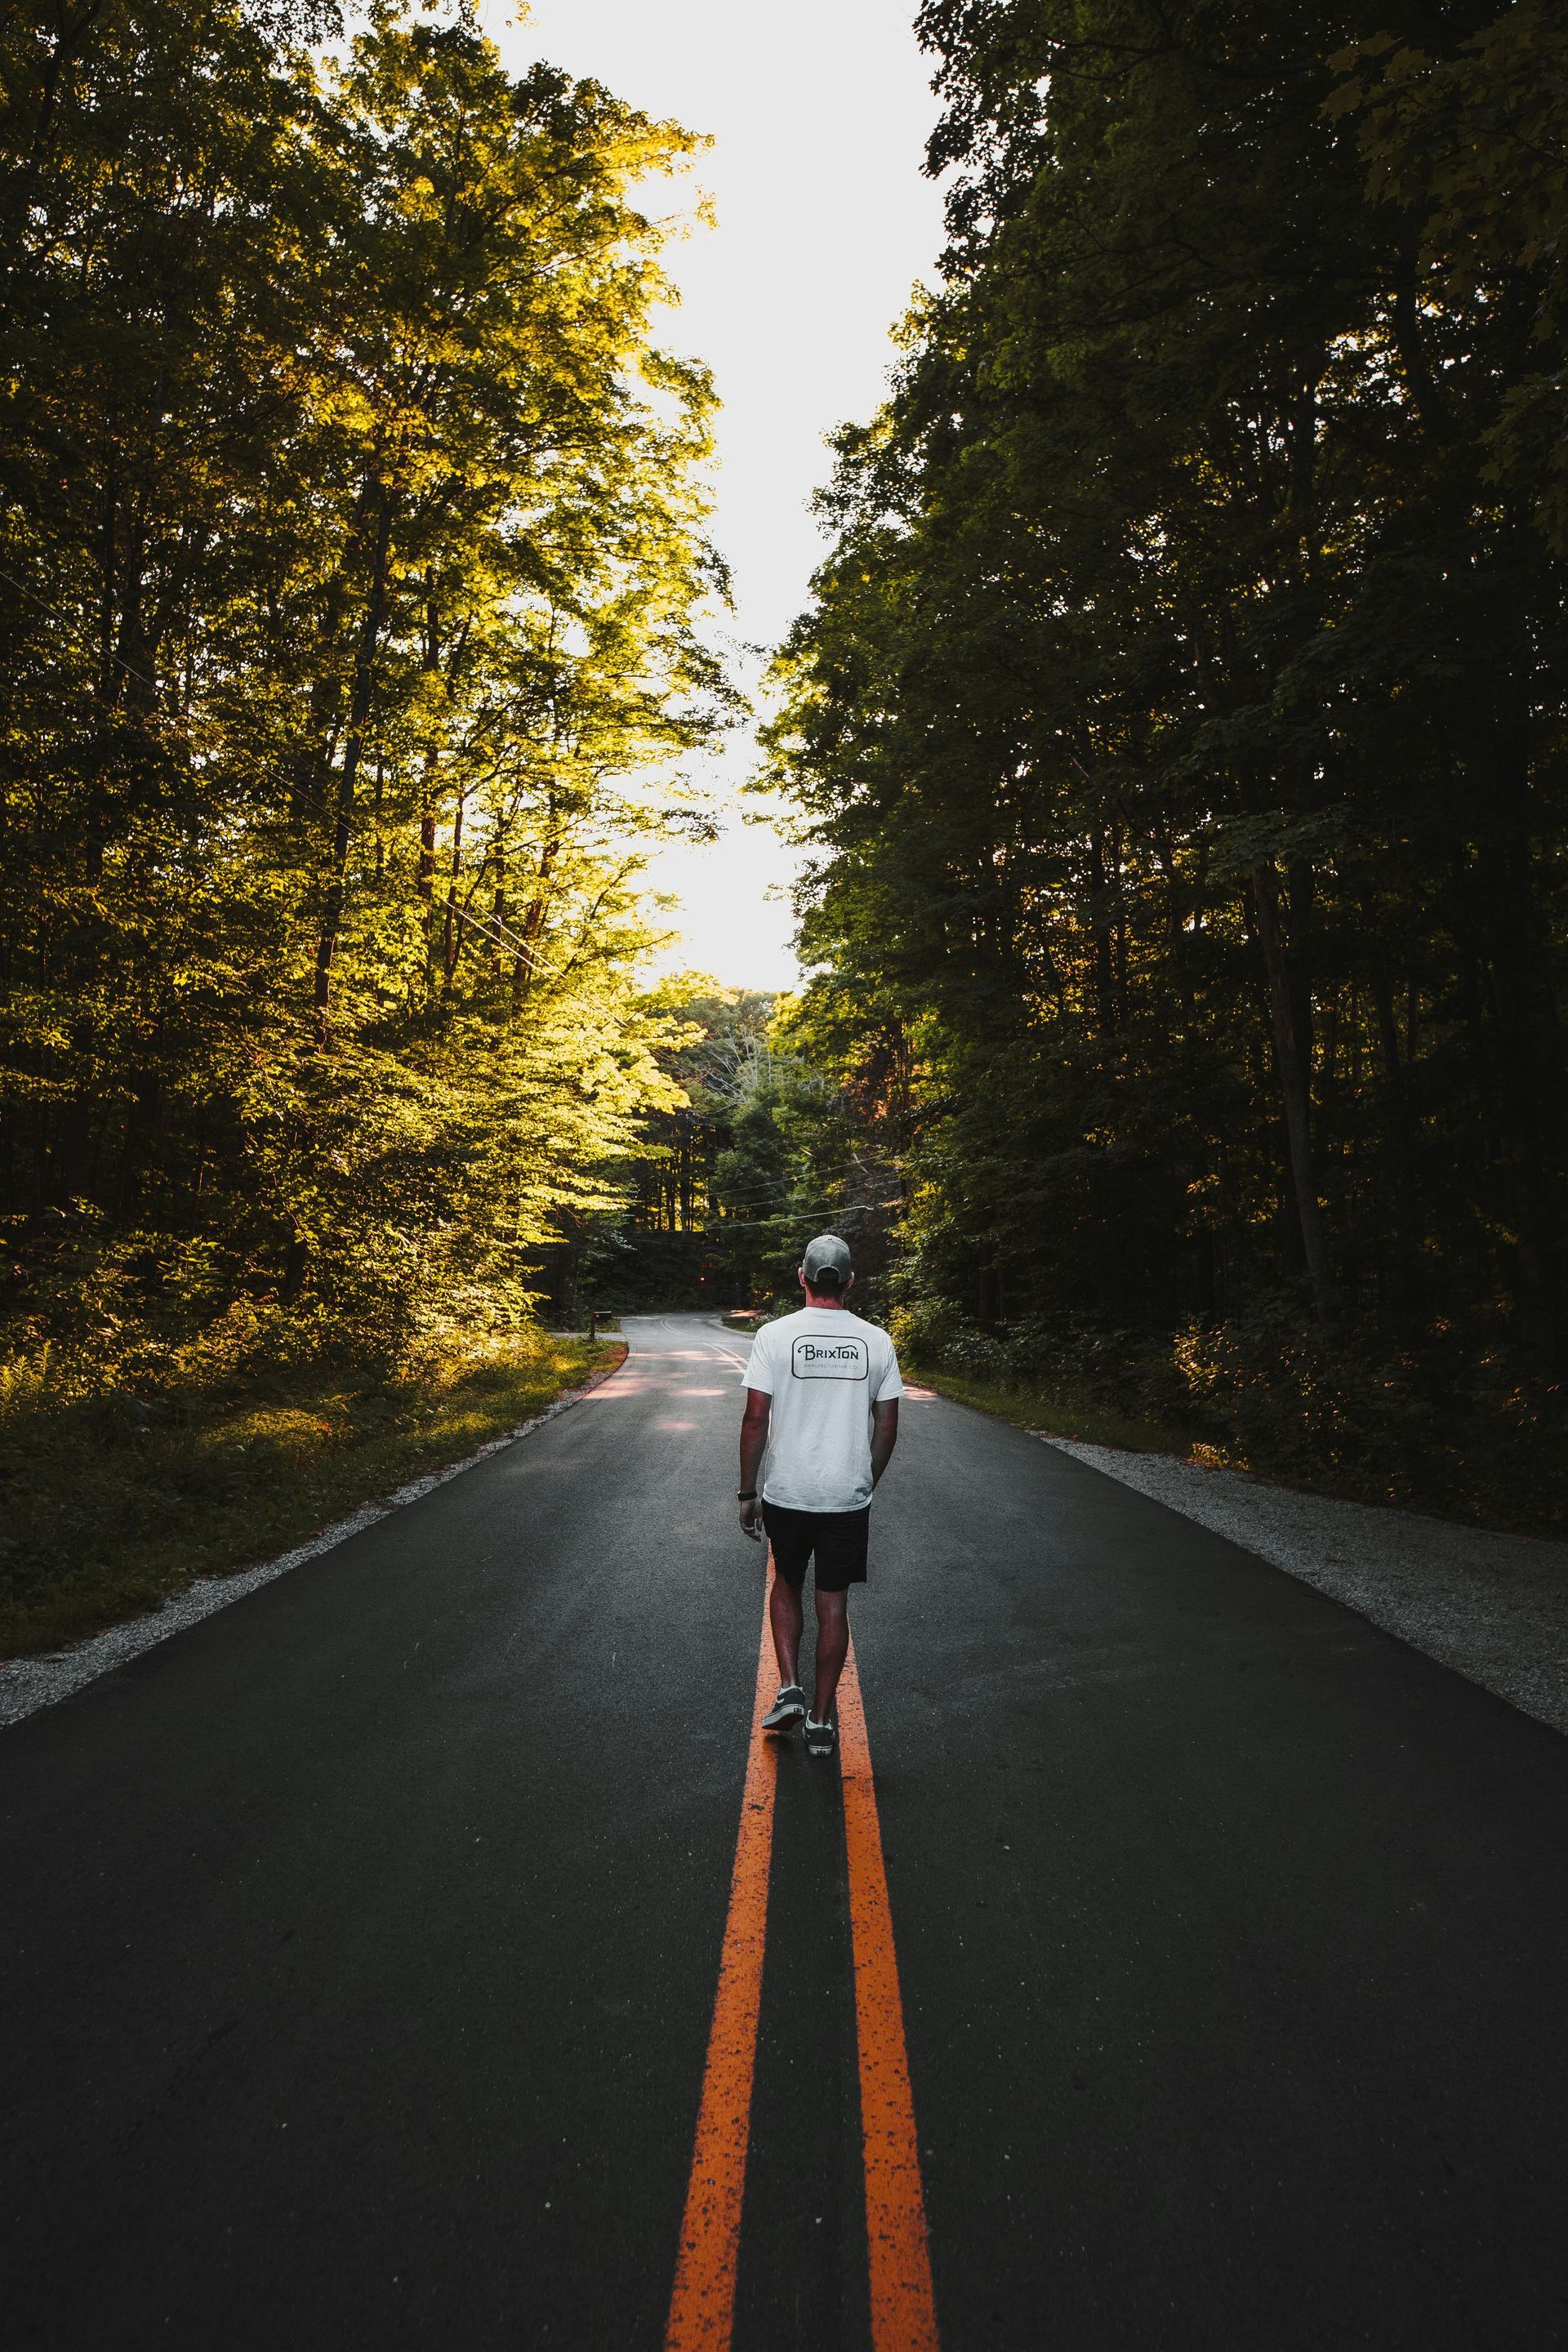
(748, 1496)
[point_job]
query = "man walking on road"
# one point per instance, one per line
(822, 1396)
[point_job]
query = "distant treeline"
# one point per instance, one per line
(1179, 721)
(351, 562)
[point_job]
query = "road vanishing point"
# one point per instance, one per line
(427, 1950)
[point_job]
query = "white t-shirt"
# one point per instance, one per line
(824, 1369)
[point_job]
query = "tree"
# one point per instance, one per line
(355, 523)
(1178, 721)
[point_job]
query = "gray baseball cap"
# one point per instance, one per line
(828, 1253)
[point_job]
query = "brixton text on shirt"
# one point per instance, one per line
(830, 1360)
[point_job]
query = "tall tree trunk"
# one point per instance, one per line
(450, 941)
(425, 881)
(1104, 968)
(1298, 962)
(1526, 1042)
(534, 925)
(1402, 1142)
(1207, 1278)
(1291, 1072)
(430, 661)
(353, 743)
(424, 875)
(312, 766)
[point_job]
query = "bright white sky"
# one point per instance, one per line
(820, 112)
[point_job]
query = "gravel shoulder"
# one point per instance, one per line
(1493, 1607)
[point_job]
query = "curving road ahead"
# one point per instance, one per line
(360, 1943)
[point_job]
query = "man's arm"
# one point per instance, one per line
(884, 1436)
(753, 1438)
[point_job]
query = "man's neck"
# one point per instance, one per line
(839, 1305)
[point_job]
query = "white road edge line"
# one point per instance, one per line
(28, 1685)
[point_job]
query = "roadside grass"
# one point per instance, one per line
(117, 1501)
(1062, 1410)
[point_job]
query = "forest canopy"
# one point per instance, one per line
(1177, 728)
(350, 644)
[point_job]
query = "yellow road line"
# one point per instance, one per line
(703, 2305)
(904, 2309)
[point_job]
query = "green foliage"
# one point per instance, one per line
(1178, 727)
(661, 1246)
(353, 527)
(768, 1146)
(717, 1056)
(1473, 147)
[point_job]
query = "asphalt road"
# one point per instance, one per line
(360, 1943)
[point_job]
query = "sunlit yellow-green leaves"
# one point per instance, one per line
(357, 648)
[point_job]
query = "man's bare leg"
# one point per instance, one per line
(832, 1649)
(786, 1616)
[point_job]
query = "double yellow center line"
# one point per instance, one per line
(703, 2305)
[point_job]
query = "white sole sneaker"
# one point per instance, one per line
(787, 1709)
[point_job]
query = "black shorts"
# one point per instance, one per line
(838, 1538)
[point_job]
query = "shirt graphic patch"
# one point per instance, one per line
(830, 1360)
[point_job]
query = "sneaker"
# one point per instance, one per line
(820, 1737)
(787, 1709)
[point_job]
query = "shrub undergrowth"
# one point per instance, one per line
(1440, 1423)
(143, 1442)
